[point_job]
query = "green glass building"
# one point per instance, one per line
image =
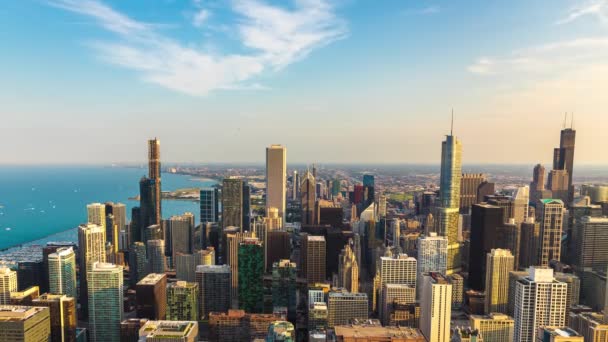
(251, 272)
(182, 301)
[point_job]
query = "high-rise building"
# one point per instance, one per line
(558, 184)
(105, 289)
(232, 203)
(308, 197)
(209, 205)
(138, 263)
(558, 334)
(436, 307)
(494, 327)
(157, 262)
(457, 282)
(391, 293)
(591, 325)
(343, 306)
(277, 247)
(214, 282)
(550, 234)
(276, 177)
(151, 293)
(590, 240)
(251, 273)
(182, 301)
(96, 214)
(485, 220)
(135, 226)
(529, 238)
(180, 228)
(154, 175)
(169, 331)
(295, 184)
(348, 269)
(563, 157)
(118, 227)
(540, 300)
(185, 264)
(508, 236)
(538, 178)
(284, 294)
(32, 273)
(236, 325)
(8, 284)
(129, 329)
(62, 315)
(233, 241)
(62, 272)
(313, 254)
(149, 203)
(498, 265)
(24, 323)
(91, 249)
(432, 256)
(469, 187)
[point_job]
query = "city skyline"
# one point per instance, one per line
(399, 96)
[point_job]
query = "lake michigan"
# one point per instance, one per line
(38, 201)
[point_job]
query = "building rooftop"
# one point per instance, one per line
(551, 201)
(560, 331)
(151, 278)
(213, 269)
(16, 313)
(168, 329)
(316, 238)
(374, 331)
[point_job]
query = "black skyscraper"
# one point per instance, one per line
(563, 157)
(485, 220)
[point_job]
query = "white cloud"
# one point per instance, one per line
(274, 37)
(432, 9)
(596, 8)
(200, 17)
(546, 58)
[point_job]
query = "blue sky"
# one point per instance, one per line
(87, 81)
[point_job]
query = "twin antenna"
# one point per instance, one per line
(571, 120)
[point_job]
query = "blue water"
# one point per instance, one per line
(39, 201)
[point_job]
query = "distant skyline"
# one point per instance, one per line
(346, 81)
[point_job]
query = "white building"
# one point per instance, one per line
(96, 214)
(62, 272)
(8, 284)
(276, 176)
(540, 300)
(435, 307)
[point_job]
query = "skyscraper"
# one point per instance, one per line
(24, 323)
(118, 227)
(149, 204)
(528, 249)
(91, 249)
(232, 203)
(485, 220)
(391, 293)
(284, 290)
(8, 284)
(494, 326)
(181, 230)
(590, 241)
(105, 289)
(185, 265)
(96, 214)
(210, 278)
(498, 265)
(62, 272)
(251, 272)
(538, 178)
(469, 187)
(436, 308)
(563, 157)
(313, 255)
(157, 262)
(62, 315)
(348, 269)
(307, 198)
(276, 176)
(432, 255)
(151, 293)
(209, 204)
(540, 300)
(182, 301)
(343, 306)
(138, 263)
(295, 183)
(233, 242)
(550, 235)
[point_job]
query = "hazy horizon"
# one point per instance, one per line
(88, 82)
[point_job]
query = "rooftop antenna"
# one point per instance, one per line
(452, 126)
(565, 116)
(572, 120)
